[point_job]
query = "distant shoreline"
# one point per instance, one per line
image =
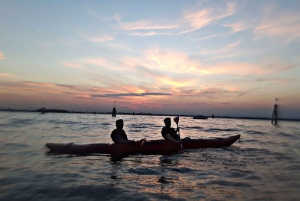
(141, 113)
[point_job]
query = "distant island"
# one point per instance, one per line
(45, 110)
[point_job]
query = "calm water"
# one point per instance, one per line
(264, 165)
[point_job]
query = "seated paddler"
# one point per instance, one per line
(168, 132)
(119, 136)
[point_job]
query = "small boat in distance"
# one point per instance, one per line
(199, 117)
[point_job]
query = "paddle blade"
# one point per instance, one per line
(176, 119)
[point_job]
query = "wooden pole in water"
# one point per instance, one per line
(274, 116)
(114, 112)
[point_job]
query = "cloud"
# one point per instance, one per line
(93, 13)
(224, 56)
(72, 65)
(275, 80)
(226, 48)
(276, 65)
(267, 65)
(212, 91)
(198, 20)
(94, 61)
(205, 17)
(170, 61)
(2, 56)
(205, 91)
(144, 25)
(247, 92)
(103, 39)
(112, 63)
(212, 36)
(152, 33)
(71, 44)
(38, 83)
(238, 26)
(286, 26)
(5, 75)
(130, 94)
(239, 69)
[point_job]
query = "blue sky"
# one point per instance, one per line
(192, 57)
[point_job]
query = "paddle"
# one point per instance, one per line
(176, 119)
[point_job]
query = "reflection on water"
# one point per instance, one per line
(262, 166)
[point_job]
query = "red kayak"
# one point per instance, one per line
(149, 147)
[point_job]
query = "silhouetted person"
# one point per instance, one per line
(119, 136)
(168, 132)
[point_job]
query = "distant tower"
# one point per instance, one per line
(274, 116)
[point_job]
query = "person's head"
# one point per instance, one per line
(119, 123)
(167, 121)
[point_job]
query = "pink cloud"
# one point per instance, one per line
(226, 48)
(145, 25)
(72, 65)
(103, 39)
(286, 26)
(239, 69)
(275, 80)
(205, 17)
(238, 26)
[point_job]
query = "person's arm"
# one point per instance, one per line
(168, 136)
(124, 141)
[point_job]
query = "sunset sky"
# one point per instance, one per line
(178, 57)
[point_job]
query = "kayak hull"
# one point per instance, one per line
(149, 147)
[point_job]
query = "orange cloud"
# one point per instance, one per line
(169, 61)
(72, 65)
(174, 83)
(2, 56)
(6, 75)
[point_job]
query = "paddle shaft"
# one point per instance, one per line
(179, 136)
